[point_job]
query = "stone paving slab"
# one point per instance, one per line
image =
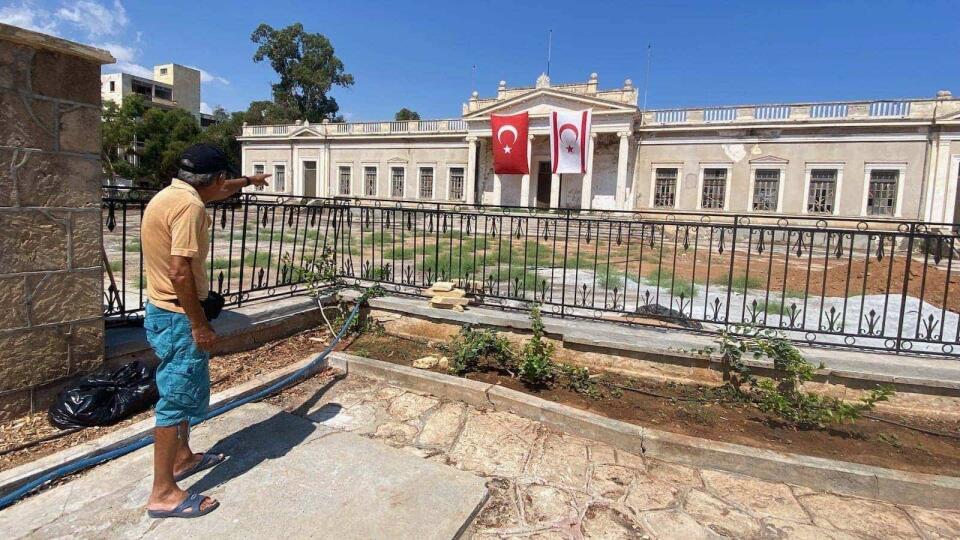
(544, 484)
(286, 477)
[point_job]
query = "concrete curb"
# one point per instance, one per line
(900, 487)
(13, 478)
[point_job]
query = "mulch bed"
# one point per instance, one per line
(226, 371)
(696, 411)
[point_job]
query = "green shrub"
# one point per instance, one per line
(472, 347)
(783, 396)
(536, 359)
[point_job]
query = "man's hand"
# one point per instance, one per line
(204, 337)
(259, 180)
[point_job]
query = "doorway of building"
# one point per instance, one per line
(544, 175)
(309, 175)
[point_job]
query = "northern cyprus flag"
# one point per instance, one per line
(569, 131)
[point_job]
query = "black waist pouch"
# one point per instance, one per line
(212, 305)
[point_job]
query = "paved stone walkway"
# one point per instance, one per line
(547, 485)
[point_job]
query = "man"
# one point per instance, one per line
(175, 236)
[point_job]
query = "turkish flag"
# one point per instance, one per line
(510, 143)
(568, 140)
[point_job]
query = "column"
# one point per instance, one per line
(554, 191)
(586, 191)
(525, 180)
(622, 202)
(324, 172)
(471, 184)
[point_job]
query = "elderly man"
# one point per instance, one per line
(175, 235)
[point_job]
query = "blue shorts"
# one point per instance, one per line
(183, 376)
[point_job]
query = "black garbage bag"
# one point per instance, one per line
(105, 398)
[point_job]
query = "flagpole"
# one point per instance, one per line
(549, 49)
(646, 82)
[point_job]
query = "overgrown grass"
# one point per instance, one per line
(258, 259)
(739, 281)
(609, 277)
(133, 245)
(665, 279)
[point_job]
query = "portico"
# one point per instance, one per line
(604, 184)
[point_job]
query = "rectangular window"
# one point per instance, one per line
(396, 181)
(714, 189)
(882, 193)
(279, 177)
(113, 86)
(258, 169)
(766, 189)
(456, 183)
(344, 180)
(665, 188)
(426, 183)
(370, 181)
(823, 191)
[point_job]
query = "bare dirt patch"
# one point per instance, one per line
(700, 411)
(226, 371)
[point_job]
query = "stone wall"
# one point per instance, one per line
(51, 324)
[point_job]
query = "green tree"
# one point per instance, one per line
(224, 132)
(308, 70)
(406, 114)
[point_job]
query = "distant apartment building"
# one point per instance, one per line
(896, 159)
(172, 86)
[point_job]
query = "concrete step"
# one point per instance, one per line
(286, 477)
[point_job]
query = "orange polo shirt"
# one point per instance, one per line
(175, 222)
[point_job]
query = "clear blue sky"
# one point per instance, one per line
(420, 54)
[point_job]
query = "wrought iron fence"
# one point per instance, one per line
(876, 284)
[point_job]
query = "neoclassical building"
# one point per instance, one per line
(884, 159)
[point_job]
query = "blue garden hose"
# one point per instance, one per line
(81, 464)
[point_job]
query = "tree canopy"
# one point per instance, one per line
(142, 143)
(308, 70)
(406, 114)
(155, 136)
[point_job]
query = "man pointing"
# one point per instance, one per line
(175, 236)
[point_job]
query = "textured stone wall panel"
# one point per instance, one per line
(32, 357)
(15, 62)
(60, 76)
(13, 307)
(51, 308)
(79, 129)
(64, 296)
(86, 347)
(86, 239)
(27, 122)
(39, 242)
(31, 178)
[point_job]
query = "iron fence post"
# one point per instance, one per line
(243, 247)
(906, 284)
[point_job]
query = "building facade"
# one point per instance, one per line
(895, 159)
(172, 86)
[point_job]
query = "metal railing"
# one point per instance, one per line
(871, 284)
(362, 128)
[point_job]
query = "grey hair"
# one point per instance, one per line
(197, 180)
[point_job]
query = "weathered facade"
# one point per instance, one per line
(51, 307)
(895, 159)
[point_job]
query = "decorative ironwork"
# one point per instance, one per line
(824, 280)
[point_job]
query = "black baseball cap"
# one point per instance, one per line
(206, 159)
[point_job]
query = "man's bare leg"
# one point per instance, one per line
(167, 446)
